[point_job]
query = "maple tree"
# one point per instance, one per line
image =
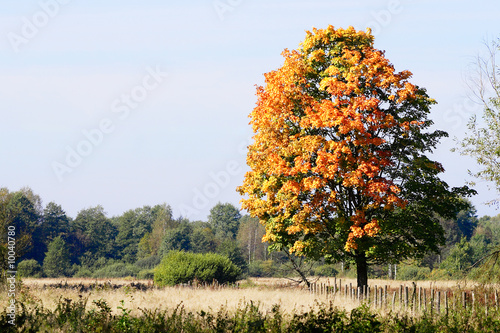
(338, 163)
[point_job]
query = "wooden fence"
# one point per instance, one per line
(412, 299)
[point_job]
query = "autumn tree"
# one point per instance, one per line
(338, 164)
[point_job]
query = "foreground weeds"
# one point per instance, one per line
(77, 316)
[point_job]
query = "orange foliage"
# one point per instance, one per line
(318, 155)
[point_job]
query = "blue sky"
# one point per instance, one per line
(154, 96)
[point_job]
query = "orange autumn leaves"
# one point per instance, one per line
(321, 125)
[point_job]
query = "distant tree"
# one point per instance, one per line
(57, 262)
(250, 235)
(463, 225)
(460, 258)
(203, 239)
(230, 249)
(55, 222)
(132, 226)
(177, 239)
(18, 212)
(482, 141)
(151, 242)
(96, 232)
(224, 220)
(483, 138)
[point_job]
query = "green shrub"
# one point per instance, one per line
(149, 262)
(325, 270)
(117, 270)
(262, 268)
(181, 267)
(439, 274)
(83, 271)
(146, 274)
(29, 268)
(412, 272)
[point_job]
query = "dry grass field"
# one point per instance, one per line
(266, 292)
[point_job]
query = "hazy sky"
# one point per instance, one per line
(131, 103)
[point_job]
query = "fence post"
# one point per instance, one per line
(438, 306)
(385, 297)
(425, 301)
(419, 299)
(406, 298)
(473, 295)
(401, 297)
(446, 302)
(486, 304)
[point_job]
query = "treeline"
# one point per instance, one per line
(49, 243)
(469, 251)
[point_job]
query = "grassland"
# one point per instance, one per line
(266, 292)
(256, 305)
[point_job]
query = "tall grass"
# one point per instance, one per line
(75, 316)
(259, 307)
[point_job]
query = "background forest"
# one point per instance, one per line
(52, 244)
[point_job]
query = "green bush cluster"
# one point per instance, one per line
(117, 270)
(29, 268)
(413, 272)
(182, 267)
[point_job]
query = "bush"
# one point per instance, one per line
(262, 268)
(439, 274)
(29, 268)
(149, 262)
(181, 267)
(117, 270)
(325, 270)
(411, 272)
(83, 271)
(146, 274)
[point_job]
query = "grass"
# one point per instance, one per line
(262, 305)
(266, 295)
(267, 292)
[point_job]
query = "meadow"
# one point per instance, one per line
(253, 305)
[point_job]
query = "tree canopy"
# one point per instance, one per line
(338, 163)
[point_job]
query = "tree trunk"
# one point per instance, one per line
(362, 270)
